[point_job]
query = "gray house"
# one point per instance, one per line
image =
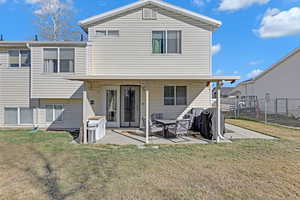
(146, 57)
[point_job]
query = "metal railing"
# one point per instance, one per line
(284, 111)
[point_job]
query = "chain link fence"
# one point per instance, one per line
(284, 111)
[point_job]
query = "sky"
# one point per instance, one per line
(255, 33)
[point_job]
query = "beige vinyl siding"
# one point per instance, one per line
(14, 85)
(198, 96)
(55, 85)
(285, 76)
(281, 81)
(72, 114)
(131, 52)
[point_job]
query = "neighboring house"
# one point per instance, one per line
(279, 84)
(148, 48)
(225, 92)
(279, 81)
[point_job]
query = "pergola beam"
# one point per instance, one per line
(84, 114)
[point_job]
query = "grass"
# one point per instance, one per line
(46, 166)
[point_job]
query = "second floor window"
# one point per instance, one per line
(166, 42)
(19, 58)
(107, 33)
(59, 60)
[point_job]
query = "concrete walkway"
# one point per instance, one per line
(137, 137)
(241, 133)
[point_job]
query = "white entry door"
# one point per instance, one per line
(112, 105)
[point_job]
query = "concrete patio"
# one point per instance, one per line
(137, 137)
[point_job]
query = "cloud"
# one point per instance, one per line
(44, 7)
(233, 5)
(235, 72)
(256, 62)
(276, 23)
(216, 49)
(2, 1)
(219, 72)
(199, 3)
(33, 1)
(254, 73)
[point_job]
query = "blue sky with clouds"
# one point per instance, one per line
(254, 35)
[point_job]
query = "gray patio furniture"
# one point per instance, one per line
(153, 128)
(189, 117)
(181, 128)
(155, 116)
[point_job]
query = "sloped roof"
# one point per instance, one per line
(158, 3)
(277, 64)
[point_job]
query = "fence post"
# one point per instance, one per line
(236, 107)
(266, 115)
(276, 105)
(267, 98)
(287, 106)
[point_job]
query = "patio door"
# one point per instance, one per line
(112, 106)
(130, 106)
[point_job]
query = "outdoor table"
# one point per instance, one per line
(166, 123)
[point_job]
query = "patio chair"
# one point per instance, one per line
(189, 117)
(155, 116)
(153, 128)
(181, 128)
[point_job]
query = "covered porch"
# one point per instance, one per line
(127, 101)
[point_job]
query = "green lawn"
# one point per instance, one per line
(46, 166)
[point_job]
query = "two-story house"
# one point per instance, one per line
(146, 57)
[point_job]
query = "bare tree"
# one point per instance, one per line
(54, 20)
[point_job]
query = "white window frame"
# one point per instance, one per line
(175, 95)
(58, 60)
(106, 33)
(20, 58)
(19, 116)
(53, 113)
(166, 42)
(154, 12)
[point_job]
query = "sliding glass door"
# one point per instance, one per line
(130, 106)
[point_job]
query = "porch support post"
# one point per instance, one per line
(218, 134)
(84, 113)
(147, 116)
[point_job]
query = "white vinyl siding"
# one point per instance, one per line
(132, 53)
(55, 85)
(198, 96)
